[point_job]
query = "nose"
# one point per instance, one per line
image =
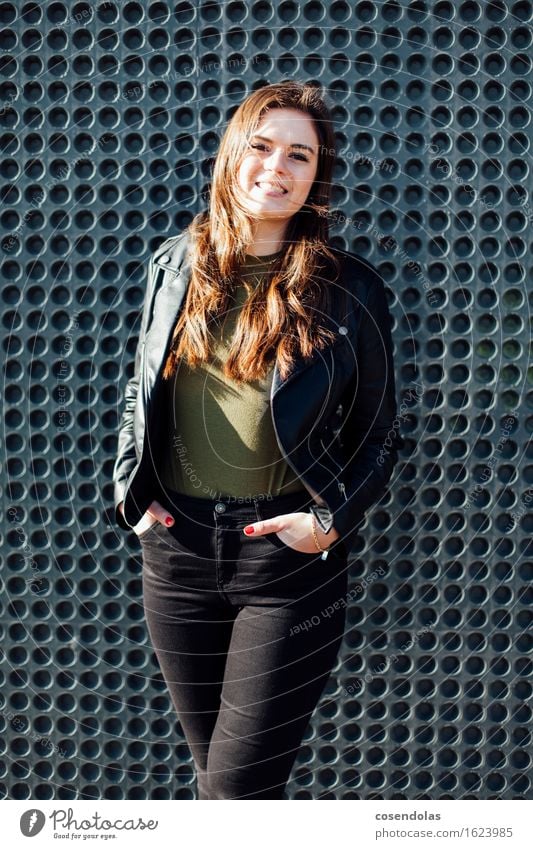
(276, 160)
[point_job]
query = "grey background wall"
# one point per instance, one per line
(110, 116)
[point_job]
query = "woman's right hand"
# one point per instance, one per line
(156, 511)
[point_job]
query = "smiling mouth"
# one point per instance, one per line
(271, 188)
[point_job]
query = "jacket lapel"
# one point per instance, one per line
(171, 269)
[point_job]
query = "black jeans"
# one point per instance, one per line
(246, 632)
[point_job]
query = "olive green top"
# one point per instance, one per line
(221, 436)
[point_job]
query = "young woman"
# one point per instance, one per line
(258, 428)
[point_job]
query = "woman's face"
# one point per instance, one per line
(279, 167)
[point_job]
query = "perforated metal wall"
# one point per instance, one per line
(110, 116)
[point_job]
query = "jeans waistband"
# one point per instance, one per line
(267, 504)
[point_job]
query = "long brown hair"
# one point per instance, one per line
(280, 318)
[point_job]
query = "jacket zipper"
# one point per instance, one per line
(311, 492)
(340, 483)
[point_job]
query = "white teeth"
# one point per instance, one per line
(271, 188)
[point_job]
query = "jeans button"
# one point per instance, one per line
(219, 507)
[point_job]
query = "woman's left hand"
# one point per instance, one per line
(295, 530)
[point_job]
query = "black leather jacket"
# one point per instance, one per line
(334, 415)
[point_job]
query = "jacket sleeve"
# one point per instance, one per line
(126, 458)
(370, 431)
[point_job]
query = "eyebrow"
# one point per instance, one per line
(300, 146)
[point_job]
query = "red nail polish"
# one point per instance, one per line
(169, 520)
(248, 530)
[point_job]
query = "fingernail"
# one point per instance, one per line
(248, 530)
(169, 520)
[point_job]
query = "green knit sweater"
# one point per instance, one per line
(221, 436)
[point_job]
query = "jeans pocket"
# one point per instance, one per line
(279, 543)
(337, 550)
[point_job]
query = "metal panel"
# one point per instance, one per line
(110, 116)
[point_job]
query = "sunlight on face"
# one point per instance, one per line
(279, 167)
